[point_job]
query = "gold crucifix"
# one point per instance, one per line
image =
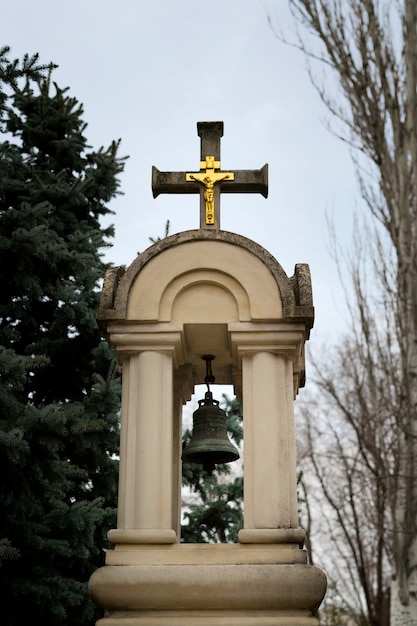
(210, 182)
(209, 177)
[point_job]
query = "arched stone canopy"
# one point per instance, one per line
(295, 292)
(206, 285)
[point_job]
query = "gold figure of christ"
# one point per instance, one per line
(209, 178)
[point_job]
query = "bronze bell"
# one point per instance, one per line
(209, 443)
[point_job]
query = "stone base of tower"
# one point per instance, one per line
(208, 618)
(207, 585)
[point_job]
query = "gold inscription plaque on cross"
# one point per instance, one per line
(209, 177)
(209, 182)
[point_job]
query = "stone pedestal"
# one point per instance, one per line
(195, 293)
(206, 585)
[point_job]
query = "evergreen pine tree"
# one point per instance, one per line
(59, 385)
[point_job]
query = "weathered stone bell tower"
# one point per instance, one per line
(200, 292)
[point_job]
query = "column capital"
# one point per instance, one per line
(134, 338)
(286, 340)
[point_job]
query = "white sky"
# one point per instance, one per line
(148, 70)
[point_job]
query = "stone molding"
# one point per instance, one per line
(209, 587)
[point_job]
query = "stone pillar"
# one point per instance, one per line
(270, 485)
(148, 507)
(270, 477)
(183, 386)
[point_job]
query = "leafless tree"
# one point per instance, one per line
(349, 439)
(370, 48)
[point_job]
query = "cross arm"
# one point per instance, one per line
(245, 181)
(248, 181)
(171, 182)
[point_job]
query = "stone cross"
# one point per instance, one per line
(210, 181)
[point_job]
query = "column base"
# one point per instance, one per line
(203, 585)
(272, 535)
(128, 536)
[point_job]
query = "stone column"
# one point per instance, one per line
(270, 485)
(145, 510)
(270, 499)
(183, 388)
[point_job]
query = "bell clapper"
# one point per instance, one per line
(209, 378)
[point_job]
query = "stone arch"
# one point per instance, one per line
(189, 297)
(269, 290)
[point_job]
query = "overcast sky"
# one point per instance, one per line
(148, 70)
